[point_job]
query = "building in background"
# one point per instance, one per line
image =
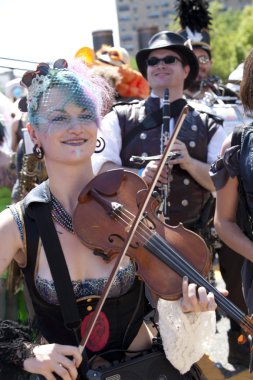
(139, 19)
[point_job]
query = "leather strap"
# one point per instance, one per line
(41, 212)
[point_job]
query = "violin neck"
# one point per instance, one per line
(160, 248)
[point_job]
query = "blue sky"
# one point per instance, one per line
(46, 30)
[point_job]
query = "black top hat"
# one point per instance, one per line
(172, 41)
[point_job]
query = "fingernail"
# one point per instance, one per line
(185, 278)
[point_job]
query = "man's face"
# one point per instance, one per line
(205, 64)
(169, 73)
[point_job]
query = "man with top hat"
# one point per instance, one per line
(135, 129)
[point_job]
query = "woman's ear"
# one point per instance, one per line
(33, 134)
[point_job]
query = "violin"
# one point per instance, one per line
(163, 254)
(111, 200)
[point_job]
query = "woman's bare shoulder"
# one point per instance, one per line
(10, 239)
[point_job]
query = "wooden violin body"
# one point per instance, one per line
(106, 209)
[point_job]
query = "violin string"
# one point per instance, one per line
(179, 262)
(177, 259)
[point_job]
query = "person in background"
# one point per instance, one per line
(205, 91)
(195, 20)
(65, 105)
(232, 175)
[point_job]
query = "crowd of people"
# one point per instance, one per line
(85, 140)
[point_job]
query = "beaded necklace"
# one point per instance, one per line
(60, 215)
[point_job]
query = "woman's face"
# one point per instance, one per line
(66, 131)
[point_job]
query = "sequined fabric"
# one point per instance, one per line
(122, 283)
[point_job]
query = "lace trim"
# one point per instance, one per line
(185, 336)
(15, 343)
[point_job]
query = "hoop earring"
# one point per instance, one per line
(38, 152)
(100, 145)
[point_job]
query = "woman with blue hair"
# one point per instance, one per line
(65, 106)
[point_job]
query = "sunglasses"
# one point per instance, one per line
(168, 60)
(203, 59)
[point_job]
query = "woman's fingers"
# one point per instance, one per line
(54, 359)
(196, 299)
(67, 364)
(73, 352)
(63, 372)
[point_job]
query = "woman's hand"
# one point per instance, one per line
(52, 359)
(196, 299)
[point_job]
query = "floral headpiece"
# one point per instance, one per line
(37, 82)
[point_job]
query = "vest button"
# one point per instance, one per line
(144, 154)
(143, 136)
(186, 181)
(194, 128)
(192, 144)
(89, 308)
(184, 202)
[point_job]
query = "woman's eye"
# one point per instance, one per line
(58, 119)
(85, 116)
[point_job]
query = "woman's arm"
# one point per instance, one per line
(10, 240)
(225, 222)
(43, 359)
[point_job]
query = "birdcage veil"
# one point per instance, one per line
(77, 84)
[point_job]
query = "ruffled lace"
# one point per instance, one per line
(226, 166)
(185, 336)
(16, 343)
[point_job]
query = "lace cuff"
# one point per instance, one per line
(16, 343)
(185, 336)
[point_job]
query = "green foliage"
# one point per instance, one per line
(231, 37)
(133, 63)
(224, 31)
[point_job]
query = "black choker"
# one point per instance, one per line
(60, 215)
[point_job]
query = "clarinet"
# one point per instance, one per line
(165, 132)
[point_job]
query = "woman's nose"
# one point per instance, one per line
(74, 124)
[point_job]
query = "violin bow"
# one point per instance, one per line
(132, 230)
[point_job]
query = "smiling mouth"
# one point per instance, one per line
(75, 142)
(162, 73)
